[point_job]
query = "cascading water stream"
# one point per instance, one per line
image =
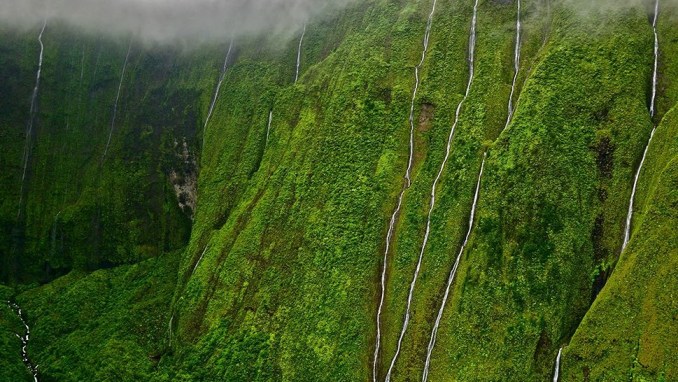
(82, 65)
(199, 260)
(31, 119)
(516, 67)
(556, 372)
(268, 126)
(117, 99)
(471, 60)
(406, 186)
(629, 215)
(195, 267)
(656, 59)
(453, 272)
(169, 327)
(222, 76)
(301, 41)
(33, 369)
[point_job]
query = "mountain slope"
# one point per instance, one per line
(296, 183)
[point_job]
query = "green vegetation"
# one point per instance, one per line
(11, 366)
(637, 309)
(80, 213)
(113, 322)
(277, 275)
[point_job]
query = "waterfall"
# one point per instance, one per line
(33, 369)
(268, 127)
(169, 327)
(222, 76)
(629, 215)
(556, 372)
(406, 185)
(117, 99)
(82, 65)
(656, 58)
(471, 60)
(516, 67)
(199, 259)
(450, 279)
(31, 119)
(301, 41)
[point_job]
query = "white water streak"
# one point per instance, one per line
(222, 76)
(31, 118)
(408, 183)
(453, 272)
(516, 67)
(82, 65)
(199, 259)
(656, 58)
(629, 215)
(301, 41)
(170, 329)
(117, 99)
(471, 60)
(268, 127)
(33, 369)
(556, 373)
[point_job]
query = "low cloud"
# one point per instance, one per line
(170, 20)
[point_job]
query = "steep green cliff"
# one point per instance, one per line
(276, 273)
(82, 209)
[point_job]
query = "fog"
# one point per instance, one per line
(168, 20)
(207, 20)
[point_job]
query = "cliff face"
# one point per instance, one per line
(89, 203)
(249, 245)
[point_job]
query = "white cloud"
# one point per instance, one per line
(165, 20)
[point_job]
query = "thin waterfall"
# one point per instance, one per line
(301, 41)
(629, 215)
(199, 259)
(450, 279)
(516, 66)
(556, 372)
(406, 185)
(222, 76)
(169, 328)
(33, 369)
(268, 126)
(82, 65)
(471, 60)
(31, 119)
(656, 58)
(117, 99)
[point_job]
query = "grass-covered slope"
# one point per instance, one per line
(110, 325)
(552, 201)
(285, 288)
(629, 333)
(281, 271)
(280, 277)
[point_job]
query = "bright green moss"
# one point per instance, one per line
(279, 279)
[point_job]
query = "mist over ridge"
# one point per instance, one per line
(169, 21)
(165, 21)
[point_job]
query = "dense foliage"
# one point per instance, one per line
(277, 275)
